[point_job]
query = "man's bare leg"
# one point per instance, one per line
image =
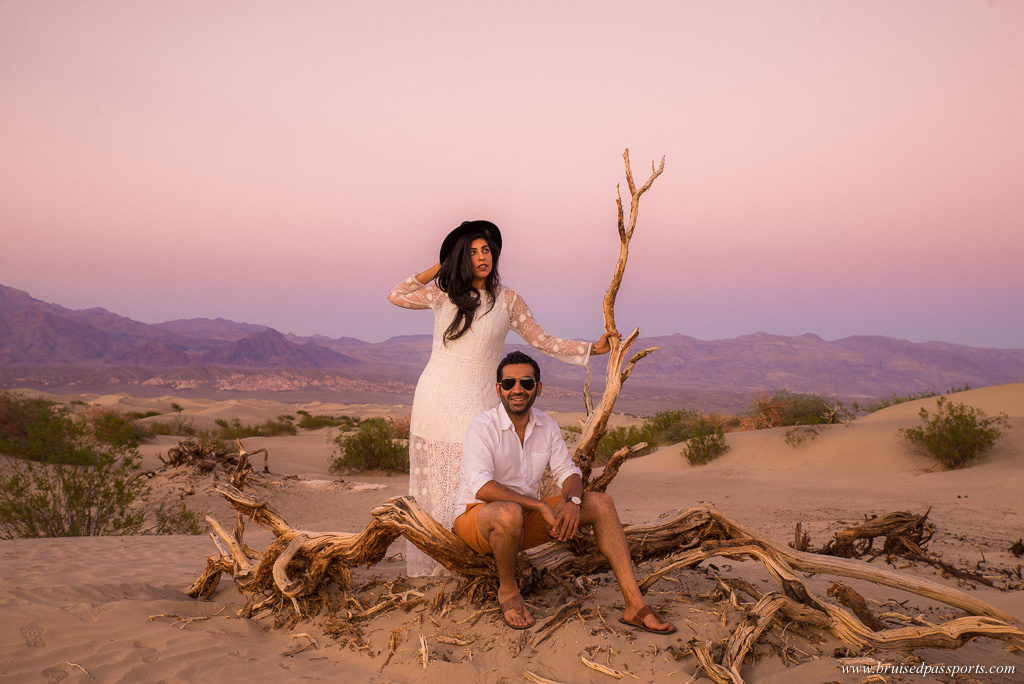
(501, 524)
(598, 509)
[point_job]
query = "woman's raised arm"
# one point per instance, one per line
(429, 274)
(415, 292)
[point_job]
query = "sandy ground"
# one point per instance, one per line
(85, 609)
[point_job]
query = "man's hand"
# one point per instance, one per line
(567, 521)
(549, 516)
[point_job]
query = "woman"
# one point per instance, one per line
(472, 316)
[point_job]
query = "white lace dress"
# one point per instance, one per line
(456, 385)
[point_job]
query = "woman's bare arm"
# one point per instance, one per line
(429, 274)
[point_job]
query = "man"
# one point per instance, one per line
(497, 507)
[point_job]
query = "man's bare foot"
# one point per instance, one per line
(647, 619)
(514, 611)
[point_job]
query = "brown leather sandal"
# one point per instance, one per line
(515, 604)
(639, 621)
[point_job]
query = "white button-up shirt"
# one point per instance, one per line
(491, 451)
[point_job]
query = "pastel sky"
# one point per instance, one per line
(831, 167)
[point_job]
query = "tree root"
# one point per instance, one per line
(903, 534)
(297, 564)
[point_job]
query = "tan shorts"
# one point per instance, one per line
(535, 530)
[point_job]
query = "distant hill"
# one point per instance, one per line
(36, 335)
(859, 366)
(270, 349)
(210, 329)
(48, 346)
(155, 354)
(33, 332)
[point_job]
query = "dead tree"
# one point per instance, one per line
(616, 373)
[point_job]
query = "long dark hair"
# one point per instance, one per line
(456, 279)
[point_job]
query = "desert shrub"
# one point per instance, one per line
(956, 434)
(665, 427)
(570, 433)
(39, 430)
(373, 446)
(136, 415)
(894, 399)
(670, 427)
(211, 441)
(614, 440)
(400, 427)
(176, 519)
(116, 428)
(783, 407)
(52, 499)
(234, 429)
(730, 422)
(67, 481)
(310, 422)
(796, 436)
(707, 443)
(178, 426)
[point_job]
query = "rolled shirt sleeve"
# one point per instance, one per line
(561, 464)
(478, 449)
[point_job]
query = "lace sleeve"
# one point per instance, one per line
(412, 294)
(522, 321)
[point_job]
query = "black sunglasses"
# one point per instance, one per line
(526, 383)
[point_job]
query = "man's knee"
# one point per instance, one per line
(506, 517)
(599, 503)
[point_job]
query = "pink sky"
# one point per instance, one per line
(835, 168)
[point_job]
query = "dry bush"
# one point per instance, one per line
(956, 434)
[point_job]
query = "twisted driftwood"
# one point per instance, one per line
(297, 563)
(903, 534)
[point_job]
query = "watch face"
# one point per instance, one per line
(576, 500)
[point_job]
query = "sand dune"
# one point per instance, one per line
(69, 604)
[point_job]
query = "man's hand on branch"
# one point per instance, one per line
(603, 346)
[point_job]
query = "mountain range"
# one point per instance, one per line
(47, 346)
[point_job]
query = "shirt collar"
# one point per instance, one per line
(505, 421)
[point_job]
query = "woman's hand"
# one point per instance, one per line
(602, 346)
(429, 274)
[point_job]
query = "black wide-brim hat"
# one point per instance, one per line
(466, 228)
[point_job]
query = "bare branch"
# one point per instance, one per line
(621, 219)
(611, 469)
(629, 173)
(597, 416)
(632, 362)
(588, 400)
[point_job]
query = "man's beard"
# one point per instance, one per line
(530, 398)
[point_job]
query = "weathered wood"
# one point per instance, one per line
(688, 536)
(616, 373)
(611, 469)
(841, 567)
(296, 564)
(902, 531)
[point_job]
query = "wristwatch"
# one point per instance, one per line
(575, 499)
